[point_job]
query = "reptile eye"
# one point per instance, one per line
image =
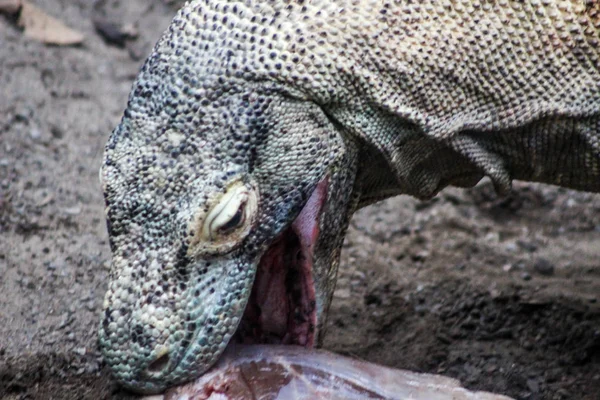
(227, 217)
(227, 222)
(234, 222)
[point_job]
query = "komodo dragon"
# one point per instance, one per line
(256, 128)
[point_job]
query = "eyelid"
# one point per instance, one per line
(208, 239)
(223, 213)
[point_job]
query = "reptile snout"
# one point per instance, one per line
(160, 329)
(144, 333)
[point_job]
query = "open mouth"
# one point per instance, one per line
(282, 305)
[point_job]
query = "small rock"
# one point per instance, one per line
(543, 267)
(114, 33)
(359, 274)
(492, 237)
(76, 210)
(528, 246)
(80, 350)
(131, 30)
(50, 265)
(57, 132)
(525, 276)
(511, 247)
(420, 256)
(519, 265)
(65, 320)
(342, 293)
(35, 133)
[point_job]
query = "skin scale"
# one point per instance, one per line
(247, 111)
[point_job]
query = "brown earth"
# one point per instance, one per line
(501, 293)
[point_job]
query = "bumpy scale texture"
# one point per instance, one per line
(378, 97)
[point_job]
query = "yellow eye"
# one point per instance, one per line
(228, 221)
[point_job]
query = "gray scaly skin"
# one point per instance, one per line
(243, 108)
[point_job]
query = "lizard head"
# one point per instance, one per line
(226, 205)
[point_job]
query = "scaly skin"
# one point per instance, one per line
(244, 107)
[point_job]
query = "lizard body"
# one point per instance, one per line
(256, 128)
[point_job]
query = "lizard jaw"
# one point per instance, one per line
(282, 306)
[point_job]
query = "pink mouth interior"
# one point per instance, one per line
(282, 306)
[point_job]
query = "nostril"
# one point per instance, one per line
(160, 363)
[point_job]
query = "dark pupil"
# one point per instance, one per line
(234, 221)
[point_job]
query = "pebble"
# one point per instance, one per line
(511, 247)
(65, 320)
(342, 293)
(528, 246)
(420, 256)
(112, 32)
(525, 276)
(80, 350)
(543, 267)
(50, 265)
(72, 210)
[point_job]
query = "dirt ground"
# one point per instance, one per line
(501, 293)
